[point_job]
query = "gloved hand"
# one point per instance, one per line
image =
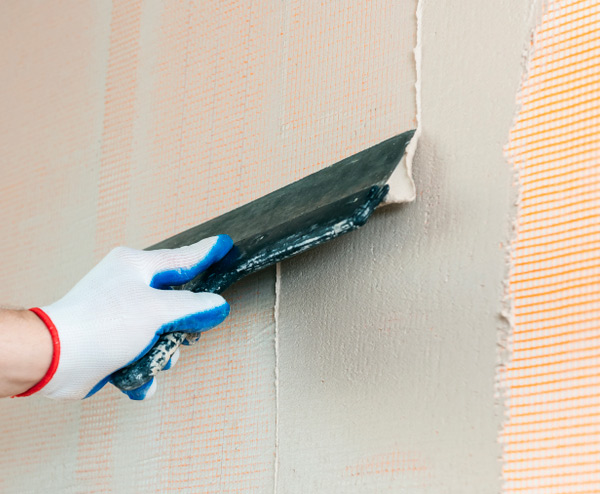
(115, 314)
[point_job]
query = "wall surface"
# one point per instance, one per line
(126, 122)
(368, 365)
(388, 338)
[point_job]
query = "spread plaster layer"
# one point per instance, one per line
(388, 337)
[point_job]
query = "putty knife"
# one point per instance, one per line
(306, 213)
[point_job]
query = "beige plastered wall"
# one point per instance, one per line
(367, 365)
(415, 300)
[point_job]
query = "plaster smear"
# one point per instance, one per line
(127, 122)
(388, 336)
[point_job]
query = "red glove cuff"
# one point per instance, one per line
(55, 355)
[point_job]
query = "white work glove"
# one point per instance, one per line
(115, 314)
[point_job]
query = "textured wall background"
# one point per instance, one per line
(126, 122)
(552, 435)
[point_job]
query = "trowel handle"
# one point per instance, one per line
(144, 369)
(216, 279)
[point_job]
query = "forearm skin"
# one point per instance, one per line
(25, 351)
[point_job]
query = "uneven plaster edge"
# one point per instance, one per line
(507, 325)
(276, 348)
(402, 185)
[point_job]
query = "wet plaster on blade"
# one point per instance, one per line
(387, 337)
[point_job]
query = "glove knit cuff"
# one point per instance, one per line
(55, 354)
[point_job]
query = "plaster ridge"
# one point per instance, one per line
(402, 185)
(276, 343)
(418, 52)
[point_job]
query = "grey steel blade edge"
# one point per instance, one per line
(322, 206)
(373, 166)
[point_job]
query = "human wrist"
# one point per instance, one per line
(27, 351)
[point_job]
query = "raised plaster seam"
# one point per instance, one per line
(402, 177)
(276, 343)
(412, 145)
